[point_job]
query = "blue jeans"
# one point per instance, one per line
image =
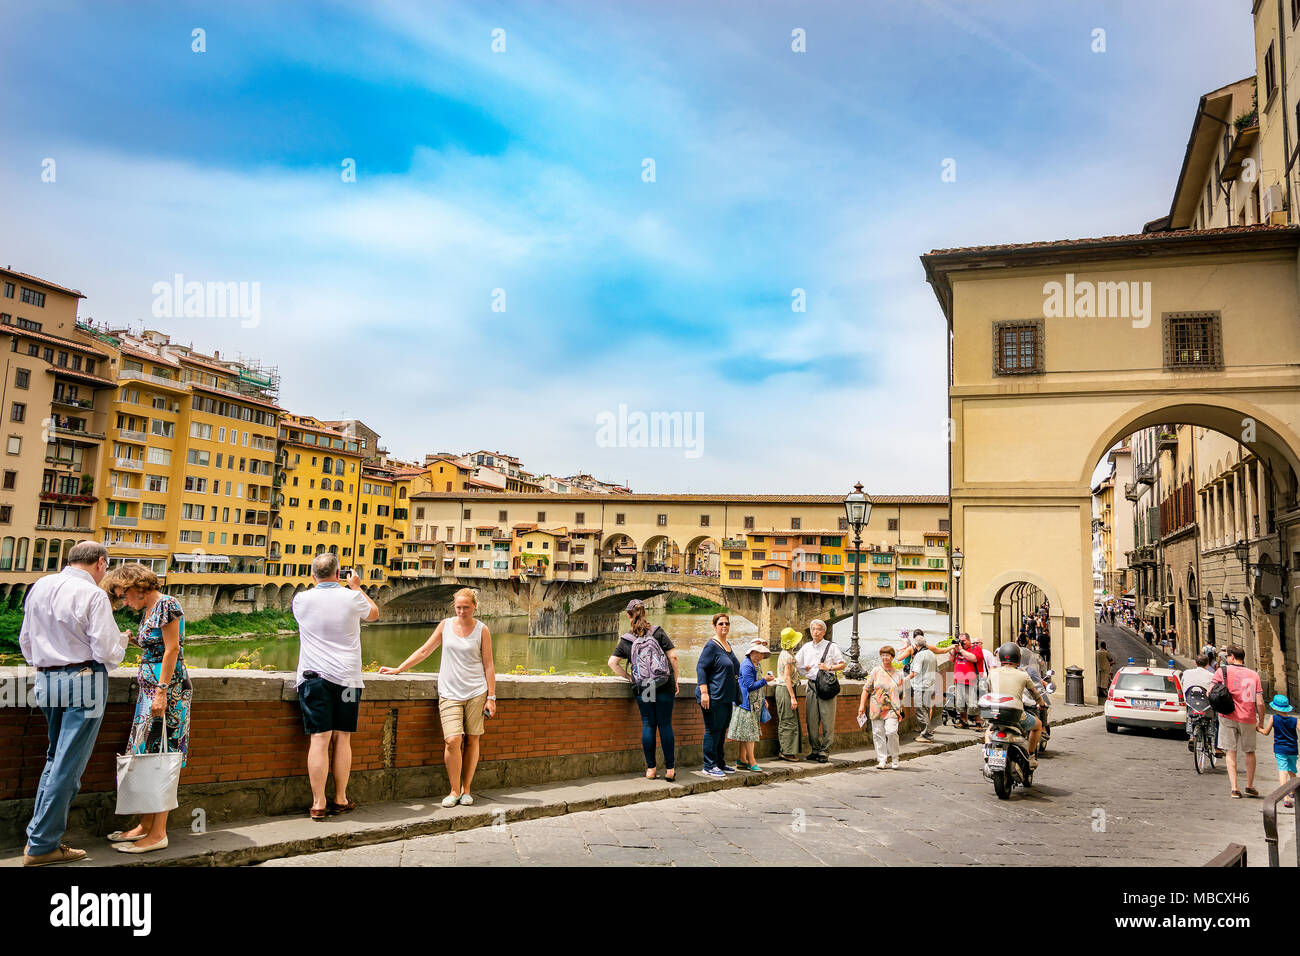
(657, 714)
(72, 700)
(717, 717)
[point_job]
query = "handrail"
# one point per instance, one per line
(1233, 855)
(1270, 820)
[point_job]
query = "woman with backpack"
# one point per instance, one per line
(652, 670)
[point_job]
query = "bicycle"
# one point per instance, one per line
(1201, 717)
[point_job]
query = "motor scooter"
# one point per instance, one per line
(1006, 749)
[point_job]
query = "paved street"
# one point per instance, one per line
(1122, 645)
(1132, 799)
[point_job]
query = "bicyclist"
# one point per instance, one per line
(1200, 676)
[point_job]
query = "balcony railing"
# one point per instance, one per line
(69, 529)
(1166, 441)
(123, 521)
(1131, 490)
(130, 464)
(733, 544)
(127, 434)
(76, 432)
(151, 379)
(143, 545)
(1146, 474)
(86, 403)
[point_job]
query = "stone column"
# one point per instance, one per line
(1261, 504)
(1252, 503)
(1239, 505)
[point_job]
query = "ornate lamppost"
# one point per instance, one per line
(958, 560)
(858, 508)
(1229, 606)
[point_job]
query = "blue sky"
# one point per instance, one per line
(522, 170)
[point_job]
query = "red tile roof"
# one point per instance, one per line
(45, 282)
(815, 499)
(1173, 235)
(54, 339)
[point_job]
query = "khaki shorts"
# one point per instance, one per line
(1236, 735)
(462, 716)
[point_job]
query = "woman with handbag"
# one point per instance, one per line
(881, 692)
(820, 660)
(747, 719)
(163, 703)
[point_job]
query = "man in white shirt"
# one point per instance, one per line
(819, 654)
(70, 637)
(329, 682)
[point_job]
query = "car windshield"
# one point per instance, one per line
(1151, 682)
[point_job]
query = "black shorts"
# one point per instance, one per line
(328, 706)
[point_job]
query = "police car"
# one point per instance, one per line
(1146, 696)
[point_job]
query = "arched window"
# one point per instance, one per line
(320, 549)
(401, 493)
(67, 546)
(334, 549)
(337, 505)
(38, 555)
(20, 556)
(324, 504)
(327, 465)
(7, 554)
(334, 527)
(338, 484)
(322, 526)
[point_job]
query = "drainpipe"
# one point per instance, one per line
(1281, 92)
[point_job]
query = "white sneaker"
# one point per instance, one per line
(880, 765)
(450, 800)
(894, 765)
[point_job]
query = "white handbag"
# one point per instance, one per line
(146, 783)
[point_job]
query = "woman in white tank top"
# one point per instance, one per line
(467, 682)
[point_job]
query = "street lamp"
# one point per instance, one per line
(958, 560)
(1229, 605)
(858, 508)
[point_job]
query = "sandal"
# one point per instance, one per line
(333, 808)
(1289, 802)
(1236, 794)
(317, 816)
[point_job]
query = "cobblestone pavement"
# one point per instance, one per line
(1130, 799)
(1122, 645)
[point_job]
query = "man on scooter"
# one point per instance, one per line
(1009, 680)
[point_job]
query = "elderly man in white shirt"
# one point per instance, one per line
(819, 654)
(70, 637)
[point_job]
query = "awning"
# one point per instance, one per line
(202, 558)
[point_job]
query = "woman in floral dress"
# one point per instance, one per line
(746, 720)
(164, 686)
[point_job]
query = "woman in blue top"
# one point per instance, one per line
(163, 704)
(718, 691)
(1282, 725)
(747, 719)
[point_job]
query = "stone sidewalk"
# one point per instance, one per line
(268, 838)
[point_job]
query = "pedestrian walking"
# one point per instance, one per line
(817, 658)
(69, 635)
(467, 690)
(747, 719)
(165, 692)
(880, 703)
(1105, 665)
(788, 679)
(329, 680)
(1237, 730)
(717, 688)
(1282, 725)
(922, 684)
(654, 678)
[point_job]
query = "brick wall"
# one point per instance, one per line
(248, 751)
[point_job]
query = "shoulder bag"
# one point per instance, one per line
(826, 685)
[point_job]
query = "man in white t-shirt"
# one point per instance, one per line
(329, 683)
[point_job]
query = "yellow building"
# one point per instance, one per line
(321, 481)
(57, 385)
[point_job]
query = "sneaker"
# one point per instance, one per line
(64, 854)
(822, 758)
(894, 765)
(880, 765)
(927, 736)
(726, 770)
(714, 772)
(811, 757)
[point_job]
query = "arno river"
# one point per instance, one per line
(389, 644)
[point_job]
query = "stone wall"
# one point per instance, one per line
(248, 750)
